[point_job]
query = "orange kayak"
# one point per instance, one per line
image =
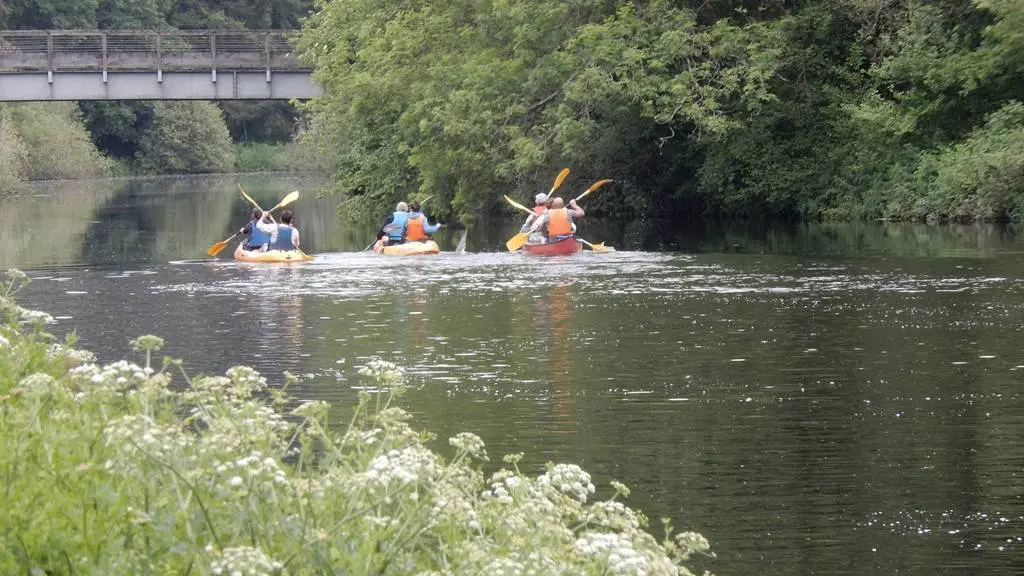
(565, 246)
(271, 255)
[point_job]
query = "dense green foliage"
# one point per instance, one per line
(45, 141)
(116, 469)
(832, 108)
(185, 138)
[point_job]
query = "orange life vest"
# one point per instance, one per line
(414, 231)
(559, 223)
(539, 210)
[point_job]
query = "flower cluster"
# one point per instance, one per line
(569, 479)
(35, 317)
(252, 472)
(73, 356)
(469, 443)
(244, 561)
(386, 373)
(136, 438)
(117, 377)
(409, 465)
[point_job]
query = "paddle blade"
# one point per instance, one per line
(216, 248)
(559, 179)
(249, 198)
(292, 197)
(517, 204)
(516, 242)
(601, 248)
(593, 188)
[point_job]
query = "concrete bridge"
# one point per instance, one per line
(42, 65)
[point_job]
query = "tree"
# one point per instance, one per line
(185, 138)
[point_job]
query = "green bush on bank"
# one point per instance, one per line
(112, 470)
(188, 137)
(46, 141)
(281, 157)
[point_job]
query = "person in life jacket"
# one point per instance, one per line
(285, 236)
(557, 223)
(540, 206)
(417, 229)
(258, 231)
(394, 225)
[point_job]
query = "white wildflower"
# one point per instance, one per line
(37, 383)
(569, 479)
(469, 443)
(384, 372)
(35, 317)
(244, 560)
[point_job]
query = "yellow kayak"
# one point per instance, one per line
(408, 248)
(271, 255)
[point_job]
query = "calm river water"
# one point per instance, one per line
(817, 400)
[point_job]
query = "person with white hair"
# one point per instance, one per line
(394, 226)
(540, 206)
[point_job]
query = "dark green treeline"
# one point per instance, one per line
(786, 109)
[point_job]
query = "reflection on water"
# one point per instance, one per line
(843, 408)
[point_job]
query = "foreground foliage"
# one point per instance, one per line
(114, 470)
(830, 108)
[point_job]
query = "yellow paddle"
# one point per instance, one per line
(219, 246)
(516, 242)
(592, 188)
(597, 247)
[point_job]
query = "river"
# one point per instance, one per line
(821, 399)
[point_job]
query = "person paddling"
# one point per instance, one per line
(557, 223)
(394, 225)
(417, 228)
(285, 236)
(258, 232)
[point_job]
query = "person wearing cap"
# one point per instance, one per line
(540, 206)
(557, 222)
(394, 225)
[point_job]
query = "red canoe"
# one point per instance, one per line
(566, 246)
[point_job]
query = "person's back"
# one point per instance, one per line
(557, 222)
(286, 236)
(539, 208)
(258, 237)
(417, 228)
(394, 225)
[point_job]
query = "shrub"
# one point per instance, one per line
(185, 138)
(55, 143)
(111, 470)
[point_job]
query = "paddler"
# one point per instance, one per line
(394, 225)
(557, 223)
(417, 228)
(540, 206)
(286, 235)
(258, 232)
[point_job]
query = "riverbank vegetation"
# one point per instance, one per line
(844, 109)
(138, 468)
(46, 142)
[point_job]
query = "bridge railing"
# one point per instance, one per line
(147, 50)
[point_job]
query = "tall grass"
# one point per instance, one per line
(142, 469)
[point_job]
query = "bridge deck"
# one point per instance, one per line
(149, 64)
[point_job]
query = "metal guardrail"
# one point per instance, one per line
(147, 50)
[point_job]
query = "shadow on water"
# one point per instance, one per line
(833, 399)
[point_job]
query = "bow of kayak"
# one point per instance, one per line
(560, 247)
(408, 248)
(271, 255)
